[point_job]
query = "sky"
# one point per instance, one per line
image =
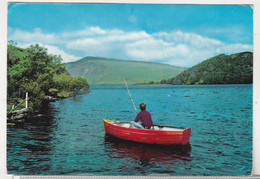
(180, 35)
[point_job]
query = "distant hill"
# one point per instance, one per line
(103, 71)
(222, 69)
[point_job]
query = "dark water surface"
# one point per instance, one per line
(70, 139)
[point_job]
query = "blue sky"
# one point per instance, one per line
(181, 35)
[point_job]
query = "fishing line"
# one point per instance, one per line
(130, 96)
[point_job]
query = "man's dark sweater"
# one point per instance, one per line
(146, 119)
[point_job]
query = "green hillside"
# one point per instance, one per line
(103, 71)
(222, 69)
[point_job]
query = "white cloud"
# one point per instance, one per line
(33, 37)
(54, 51)
(82, 44)
(188, 38)
(150, 49)
(175, 48)
(65, 56)
(86, 32)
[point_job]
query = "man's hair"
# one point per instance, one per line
(142, 106)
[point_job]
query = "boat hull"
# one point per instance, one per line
(149, 136)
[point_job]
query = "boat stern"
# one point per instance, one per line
(186, 136)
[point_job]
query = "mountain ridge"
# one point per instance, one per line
(107, 71)
(222, 69)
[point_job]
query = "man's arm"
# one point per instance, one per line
(137, 117)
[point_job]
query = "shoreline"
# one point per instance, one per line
(19, 116)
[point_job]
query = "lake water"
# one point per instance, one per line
(70, 139)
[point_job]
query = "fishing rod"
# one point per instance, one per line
(130, 96)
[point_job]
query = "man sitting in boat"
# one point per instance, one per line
(145, 118)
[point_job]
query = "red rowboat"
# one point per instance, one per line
(164, 135)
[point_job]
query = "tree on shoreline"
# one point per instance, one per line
(34, 71)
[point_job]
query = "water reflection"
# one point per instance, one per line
(30, 144)
(146, 154)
